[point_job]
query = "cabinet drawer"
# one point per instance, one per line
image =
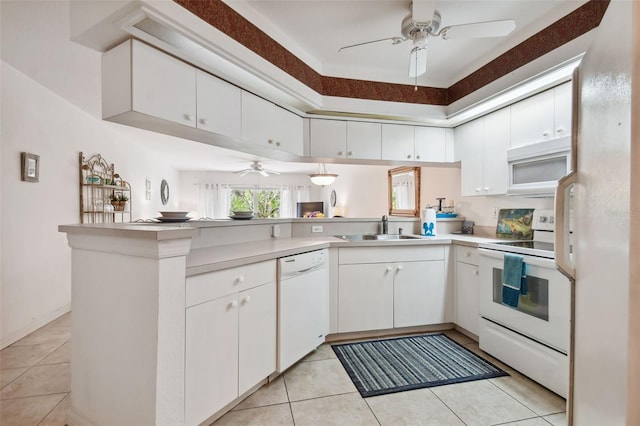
(353, 255)
(213, 285)
(467, 254)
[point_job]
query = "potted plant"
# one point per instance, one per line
(119, 201)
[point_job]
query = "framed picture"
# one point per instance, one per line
(30, 167)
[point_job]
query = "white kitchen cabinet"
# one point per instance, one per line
(218, 106)
(230, 341)
(381, 288)
(420, 293)
(138, 78)
(430, 144)
(328, 138)
(542, 117)
(266, 125)
(467, 289)
(483, 145)
(364, 140)
(397, 142)
(365, 300)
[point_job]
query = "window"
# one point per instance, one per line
(264, 202)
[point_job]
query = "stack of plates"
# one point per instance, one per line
(241, 215)
(173, 217)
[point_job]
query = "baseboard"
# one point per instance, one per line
(33, 326)
(77, 419)
(467, 333)
(356, 335)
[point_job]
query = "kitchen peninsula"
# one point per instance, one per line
(130, 288)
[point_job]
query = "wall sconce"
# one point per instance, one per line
(322, 177)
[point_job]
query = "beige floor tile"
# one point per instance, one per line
(25, 356)
(322, 352)
(60, 355)
(57, 331)
(417, 407)
(269, 394)
(272, 415)
(9, 375)
(532, 395)
(40, 380)
(27, 411)
(58, 416)
(481, 403)
(537, 421)
(339, 410)
(559, 419)
(317, 378)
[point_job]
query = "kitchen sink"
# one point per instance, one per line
(377, 237)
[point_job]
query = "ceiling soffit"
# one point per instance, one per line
(564, 30)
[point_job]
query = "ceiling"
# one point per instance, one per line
(315, 30)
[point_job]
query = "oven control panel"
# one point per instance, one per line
(543, 220)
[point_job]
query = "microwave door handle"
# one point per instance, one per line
(561, 234)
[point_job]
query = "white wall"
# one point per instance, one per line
(50, 107)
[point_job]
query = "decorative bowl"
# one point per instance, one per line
(174, 215)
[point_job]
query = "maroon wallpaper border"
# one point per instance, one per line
(227, 20)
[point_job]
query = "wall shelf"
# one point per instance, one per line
(104, 196)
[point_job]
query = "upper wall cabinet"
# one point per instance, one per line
(267, 125)
(344, 139)
(218, 105)
(397, 142)
(483, 147)
(542, 117)
(139, 78)
(417, 143)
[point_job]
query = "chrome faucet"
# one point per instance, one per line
(385, 224)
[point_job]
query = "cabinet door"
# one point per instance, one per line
(257, 335)
(211, 364)
(256, 120)
(364, 140)
(467, 306)
(328, 138)
(397, 142)
(532, 119)
(288, 131)
(420, 293)
(430, 144)
(469, 144)
(163, 86)
(365, 297)
(219, 109)
(495, 142)
(563, 104)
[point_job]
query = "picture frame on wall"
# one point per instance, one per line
(30, 167)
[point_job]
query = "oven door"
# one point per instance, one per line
(543, 314)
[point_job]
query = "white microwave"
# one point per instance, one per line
(534, 170)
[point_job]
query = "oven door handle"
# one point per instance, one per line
(529, 260)
(561, 234)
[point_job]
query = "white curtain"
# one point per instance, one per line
(404, 195)
(213, 201)
(289, 196)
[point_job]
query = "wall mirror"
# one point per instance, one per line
(404, 191)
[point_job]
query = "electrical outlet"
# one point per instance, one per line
(317, 228)
(496, 210)
(275, 231)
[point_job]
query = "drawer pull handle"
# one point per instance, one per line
(234, 304)
(476, 272)
(388, 269)
(247, 299)
(240, 279)
(399, 268)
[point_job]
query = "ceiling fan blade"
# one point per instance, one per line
(396, 40)
(244, 172)
(418, 61)
(271, 172)
(422, 10)
(263, 173)
(478, 29)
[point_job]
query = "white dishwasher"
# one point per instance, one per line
(303, 305)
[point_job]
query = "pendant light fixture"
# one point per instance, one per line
(322, 177)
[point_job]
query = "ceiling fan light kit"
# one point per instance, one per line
(322, 177)
(256, 167)
(418, 29)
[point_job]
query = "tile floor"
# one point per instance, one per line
(35, 385)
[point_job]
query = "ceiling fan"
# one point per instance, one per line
(256, 167)
(424, 21)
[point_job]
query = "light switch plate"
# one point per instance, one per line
(275, 231)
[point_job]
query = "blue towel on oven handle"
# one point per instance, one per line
(514, 279)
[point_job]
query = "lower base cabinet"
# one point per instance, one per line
(467, 289)
(392, 293)
(230, 347)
